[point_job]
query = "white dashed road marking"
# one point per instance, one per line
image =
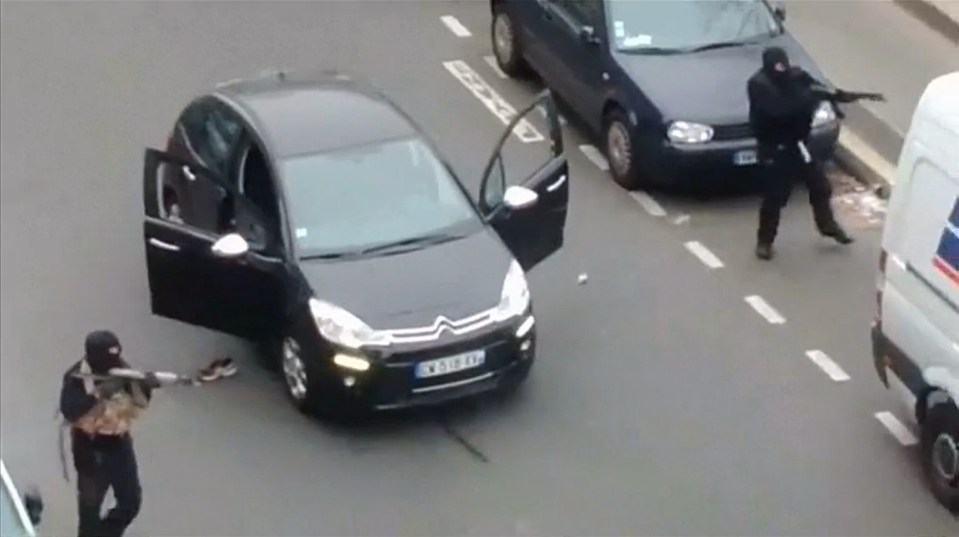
(491, 61)
(895, 427)
(455, 26)
(524, 130)
(765, 310)
(648, 203)
(828, 366)
(707, 257)
(681, 219)
(595, 156)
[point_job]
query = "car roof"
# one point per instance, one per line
(305, 113)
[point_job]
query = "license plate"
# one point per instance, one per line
(745, 158)
(451, 364)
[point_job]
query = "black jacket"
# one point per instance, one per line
(781, 109)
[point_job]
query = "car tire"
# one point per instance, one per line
(307, 391)
(506, 46)
(940, 431)
(619, 146)
(299, 380)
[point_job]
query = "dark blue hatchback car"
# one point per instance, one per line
(661, 83)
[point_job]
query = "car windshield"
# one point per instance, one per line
(10, 524)
(681, 25)
(349, 200)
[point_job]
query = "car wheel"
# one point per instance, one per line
(621, 152)
(296, 376)
(306, 391)
(940, 454)
(506, 47)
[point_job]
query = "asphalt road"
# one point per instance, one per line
(662, 402)
(874, 46)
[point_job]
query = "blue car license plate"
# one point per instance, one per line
(745, 158)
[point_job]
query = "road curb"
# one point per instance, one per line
(861, 161)
(933, 17)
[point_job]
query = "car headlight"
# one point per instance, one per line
(514, 298)
(341, 327)
(684, 132)
(824, 114)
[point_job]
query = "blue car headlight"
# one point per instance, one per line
(824, 115)
(686, 132)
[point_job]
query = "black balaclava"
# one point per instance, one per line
(772, 56)
(102, 351)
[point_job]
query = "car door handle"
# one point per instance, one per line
(164, 245)
(547, 14)
(559, 182)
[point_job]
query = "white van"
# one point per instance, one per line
(915, 335)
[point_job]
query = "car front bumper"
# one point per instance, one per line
(391, 382)
(721, 160)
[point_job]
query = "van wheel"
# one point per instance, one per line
(506, 47)
(621, 152)
(940, 454)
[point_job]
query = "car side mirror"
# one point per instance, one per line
(587, 34)
(519, 197)
(230, 246)
(780, 11)
(33, 504)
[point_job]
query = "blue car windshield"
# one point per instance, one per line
(356, 198)
(679, 25)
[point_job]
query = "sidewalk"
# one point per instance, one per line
(876, 45)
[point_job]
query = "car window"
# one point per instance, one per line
(10, 522)
(192, 123)
(221, 131)
(585, 12)
(684, 24)
(348, 200)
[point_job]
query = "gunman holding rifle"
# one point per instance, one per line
(782, 102)
(100, 399)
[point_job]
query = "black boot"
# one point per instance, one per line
(837, 234)
(764, 251)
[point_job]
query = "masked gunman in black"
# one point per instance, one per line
(782, 102)
(100, 411)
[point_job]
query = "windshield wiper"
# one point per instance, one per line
(651, 50)
(422, 240)
(331, 255)
(719, 45)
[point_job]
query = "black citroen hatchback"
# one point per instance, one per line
(312, 214)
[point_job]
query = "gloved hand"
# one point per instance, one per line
(152, 381)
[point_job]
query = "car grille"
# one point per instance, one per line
(732, 132)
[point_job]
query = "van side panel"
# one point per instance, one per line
(920, 301)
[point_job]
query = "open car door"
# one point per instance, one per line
(197, 275)
(529, 212)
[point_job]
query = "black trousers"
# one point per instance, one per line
(783, 169)
(103, 463)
